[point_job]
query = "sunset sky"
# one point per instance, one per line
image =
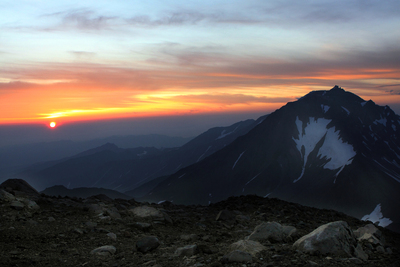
(70, 61)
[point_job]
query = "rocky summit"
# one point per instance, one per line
(41, 230)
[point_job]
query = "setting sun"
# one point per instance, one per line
(52, 124)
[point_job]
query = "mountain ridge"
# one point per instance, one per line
(111, 167)
(296, 154)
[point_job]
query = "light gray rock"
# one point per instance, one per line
(30, 204)
(113, 213)
(17, 205)
(371, 234)
(154, 214)
(188, 250)
(104, 251)
(249, 246)
(147, 243)
(290, 232)
(370, 238)
(237, 256)
(5, 196)
(271, 231)
(147, 212)
(335, 238)
(51, 219)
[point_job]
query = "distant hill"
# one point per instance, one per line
(109, 166)
(14, 158)
(83, 192)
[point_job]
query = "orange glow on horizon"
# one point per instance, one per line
(99, 96)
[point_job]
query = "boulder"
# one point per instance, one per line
(249, 246)
(17, 205)
(370, 233)
(5, 196)
(146, 212)
(147, 243)
(188, 250)
(113, 213)
(31, 204)
(271, 231)
(335, 238)
(104, 251)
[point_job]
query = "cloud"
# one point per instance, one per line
(84, 19)
(174, 18)
(81, 19)
(394, 92)
(83, 54)
(300, 13)
(179, 67)
(228, 99)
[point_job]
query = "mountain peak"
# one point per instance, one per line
(337, 88)
(336, 94)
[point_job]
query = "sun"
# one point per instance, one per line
(52, 124)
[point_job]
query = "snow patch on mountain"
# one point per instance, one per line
(142, 154)
(223, 134)
(377, 216)
(334, 149)
(325, 108)
(237, 159)
(381, 121)
(363, 103)
(345, 109)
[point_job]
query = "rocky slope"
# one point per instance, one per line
(38, 230)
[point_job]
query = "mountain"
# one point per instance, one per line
(13, 158)
(111, 167)
(329, 149)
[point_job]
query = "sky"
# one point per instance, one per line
(90, 61)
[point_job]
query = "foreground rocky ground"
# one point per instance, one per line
(38, 230)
